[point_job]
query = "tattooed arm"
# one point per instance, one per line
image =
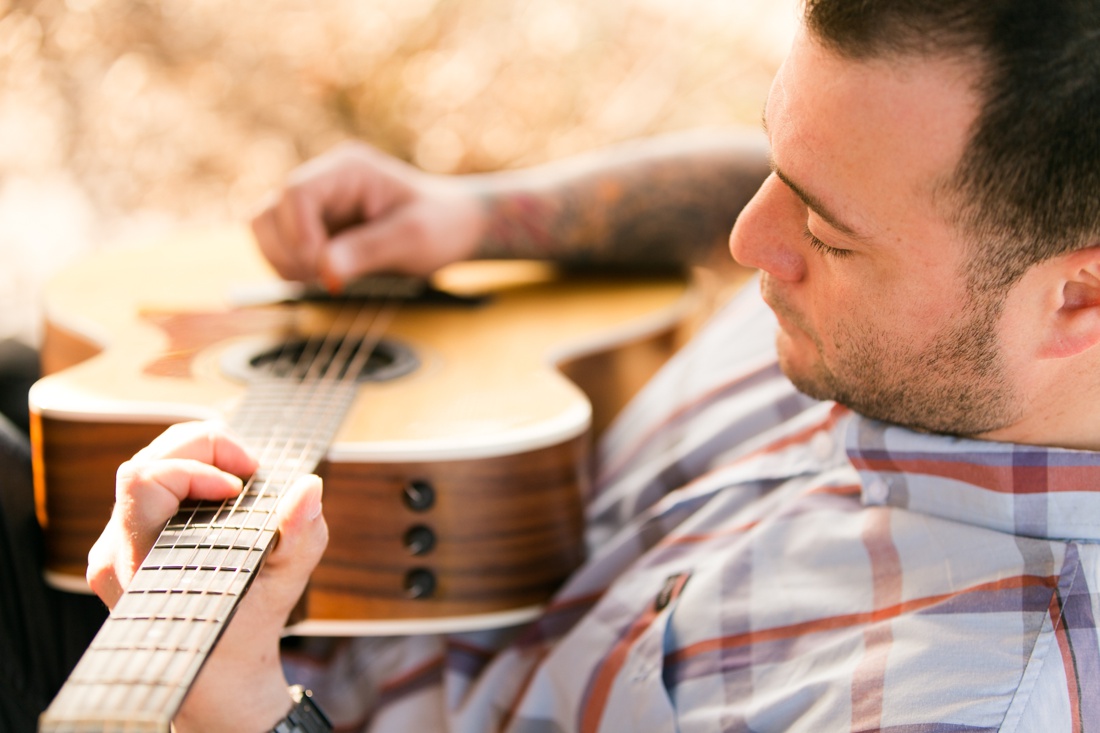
(664, 201)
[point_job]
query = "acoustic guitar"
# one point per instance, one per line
(450, 421)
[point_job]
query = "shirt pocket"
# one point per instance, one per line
(639, 700)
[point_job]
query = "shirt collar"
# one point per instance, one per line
(1051, 493)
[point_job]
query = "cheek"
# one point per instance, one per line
(834, 306)
(850, 319)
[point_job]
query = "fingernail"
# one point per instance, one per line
(329, 279)
(331, 283)
(313, 501)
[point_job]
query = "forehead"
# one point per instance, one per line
(875, 140)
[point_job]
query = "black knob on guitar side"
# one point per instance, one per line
(419, 540)
(419, 496)
(419, 583)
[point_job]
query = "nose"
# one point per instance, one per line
(769, 230)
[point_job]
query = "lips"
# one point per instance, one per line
(791, 322)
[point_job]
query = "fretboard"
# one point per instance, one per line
(139, 667)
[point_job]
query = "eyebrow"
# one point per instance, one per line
(813, 203)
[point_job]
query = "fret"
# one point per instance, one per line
(137, 670)
(270, 479)
(139, 666)
(292, 447)
(190, 579)
(160, 632)
(289, 445)
(262, 500)
(103, 707)
(281, 402)
(221, 516)
(245, 559)
(198, 516)
(204, 606)
(214, 537)
(229, 520)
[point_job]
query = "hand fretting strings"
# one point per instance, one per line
(210, 551)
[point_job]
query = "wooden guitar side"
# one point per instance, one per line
(488, 425)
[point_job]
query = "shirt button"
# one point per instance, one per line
(878, 491)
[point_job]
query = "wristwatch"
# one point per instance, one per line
(305, 716)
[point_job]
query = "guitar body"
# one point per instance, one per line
(453, 490)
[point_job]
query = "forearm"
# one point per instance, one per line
(665, 201)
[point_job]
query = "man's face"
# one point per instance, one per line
(860, 261)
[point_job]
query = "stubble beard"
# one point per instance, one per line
(956, 385)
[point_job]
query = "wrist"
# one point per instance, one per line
(224, 708)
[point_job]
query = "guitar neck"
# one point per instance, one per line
(137, 670)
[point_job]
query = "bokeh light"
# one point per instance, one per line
(119, 118)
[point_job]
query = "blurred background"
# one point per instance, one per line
(120, 119)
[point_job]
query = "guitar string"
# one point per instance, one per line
(187, 620)
(347, 368)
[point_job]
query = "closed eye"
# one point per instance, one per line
(823, 248)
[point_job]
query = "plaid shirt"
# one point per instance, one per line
(764, 562)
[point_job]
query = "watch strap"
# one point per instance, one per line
(305, 716)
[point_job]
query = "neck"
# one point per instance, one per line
(1058, 412)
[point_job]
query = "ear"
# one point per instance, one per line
(1073, 323)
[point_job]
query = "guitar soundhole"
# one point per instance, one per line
(301, 358)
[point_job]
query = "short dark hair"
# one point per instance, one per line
(1028, 182)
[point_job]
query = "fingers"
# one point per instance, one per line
(344, 187)
(187, 461)
(382, 246)
(299, 218)
(355, 210)
(148, 492)
(209, 442)
(241, 686)
(303, 536)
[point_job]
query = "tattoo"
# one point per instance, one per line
(651, 210)
(522, 226)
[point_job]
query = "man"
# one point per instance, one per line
(907, 543)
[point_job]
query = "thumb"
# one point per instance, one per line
(242, 685)
(303, 536)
